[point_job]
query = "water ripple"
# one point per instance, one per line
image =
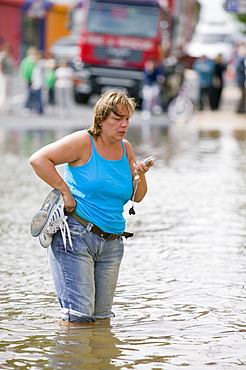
(181, 295)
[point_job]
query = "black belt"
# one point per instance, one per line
(95, 229)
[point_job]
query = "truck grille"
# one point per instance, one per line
(114, 53)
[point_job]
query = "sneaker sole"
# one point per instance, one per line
(40, 219)
(43, 244)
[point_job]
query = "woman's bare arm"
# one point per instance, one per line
(72, 149)
(141, 169)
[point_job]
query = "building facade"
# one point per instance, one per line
(25, 23)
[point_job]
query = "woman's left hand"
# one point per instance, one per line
(142, 168)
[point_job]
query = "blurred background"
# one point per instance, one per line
(180, 299)
(106, 45)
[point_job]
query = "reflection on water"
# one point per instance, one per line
(181, 295)
(88, 347)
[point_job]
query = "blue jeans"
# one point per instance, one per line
(37, 101)
(85, 275)
(30, 96)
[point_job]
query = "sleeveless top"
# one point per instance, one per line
(101, 188)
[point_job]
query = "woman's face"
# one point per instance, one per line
(116, 125)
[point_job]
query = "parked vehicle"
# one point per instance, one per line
(212, 38)
(117, 38)
(65, 48)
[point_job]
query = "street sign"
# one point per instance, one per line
(231, 6)
(235, 6)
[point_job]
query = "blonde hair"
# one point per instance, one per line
(109, 102)
(219, 58)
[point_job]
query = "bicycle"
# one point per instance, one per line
(181, 109)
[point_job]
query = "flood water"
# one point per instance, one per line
(181, 296)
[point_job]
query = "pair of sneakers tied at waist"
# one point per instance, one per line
(51, 218)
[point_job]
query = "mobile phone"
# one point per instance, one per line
(148, 160)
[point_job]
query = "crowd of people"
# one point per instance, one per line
(212, 75)
(40, 74)
(211, 80)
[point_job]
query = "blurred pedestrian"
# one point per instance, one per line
(63, 88)
(153, 79)
(218, 82)
(37, 84)
(26, 68)
(50, 77)
(6, 72)
(240, 77)
(205, 70)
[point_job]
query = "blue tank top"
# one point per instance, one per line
(101, 188)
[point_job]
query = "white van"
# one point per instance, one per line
(212, 38)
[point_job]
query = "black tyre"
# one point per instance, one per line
(81, 98)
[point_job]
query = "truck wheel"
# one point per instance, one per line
(81, 98)
(139, 103)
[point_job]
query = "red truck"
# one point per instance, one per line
(116, 40)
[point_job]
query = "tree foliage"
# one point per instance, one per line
(241, 18)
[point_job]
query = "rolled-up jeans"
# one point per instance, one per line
(85, 275)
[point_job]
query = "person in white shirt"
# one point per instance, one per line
(63, 87)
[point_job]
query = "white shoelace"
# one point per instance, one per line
(62, 225)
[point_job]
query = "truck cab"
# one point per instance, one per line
(116, 40)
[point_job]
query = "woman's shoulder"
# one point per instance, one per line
(79, 144)
(127, 143)
(128, 147)
(82, 135)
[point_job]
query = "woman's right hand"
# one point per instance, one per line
(69, 202)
